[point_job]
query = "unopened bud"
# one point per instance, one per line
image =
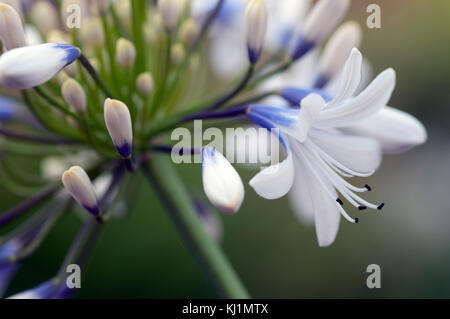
(118, 122)
(145, 84)
(79, 185)
(256, 16)
(125, 53)
(170, 11)
(74, 95)
(177, 53)
(12, 34)
(189, 31)
(44, 16)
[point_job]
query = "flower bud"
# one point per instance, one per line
(30, 66)
(44, 16)
(78, 184)
(125, 53)
(145, 84)
(170, 11)
(118, 122)
(57, 36)
(322, 19)
(92, 33)
(222, 184)
(177, 53)
(74, 95)
(103, 6)
(12, 34)
(338, 48)
(256, 17)
(189, 31)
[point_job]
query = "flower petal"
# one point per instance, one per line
(370, 101)
(360, 154)
(395, 130)
(276, 180)
(314, 202)
(351, 78)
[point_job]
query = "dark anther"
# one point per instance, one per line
(356, 220)
(381, 206)
(368, 187)
(340, 201)
(362, 207)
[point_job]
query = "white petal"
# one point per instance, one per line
(222, 184)
(360, 154)
(30, 66)
(12, 34)
(310, 108)
(350, 79)
(276, 180)
(370, 101)
(395, 130)
(314, 201)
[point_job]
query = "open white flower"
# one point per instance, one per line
(320, 154)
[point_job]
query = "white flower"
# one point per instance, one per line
(30, 66)
(222, 184)
(77, 182)
(256, 17)
(12, 34)
(118, 122)
(320, 154)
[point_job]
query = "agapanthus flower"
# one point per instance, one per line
(122, 85)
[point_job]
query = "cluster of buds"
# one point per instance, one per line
(102, 98)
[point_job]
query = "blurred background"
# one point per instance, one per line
(276, 256)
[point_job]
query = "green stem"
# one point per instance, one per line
(162, 176)
(95, 76)
(50, 99)
(138, 35)
(160, 92)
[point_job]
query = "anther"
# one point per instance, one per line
(368, 187)
(340, 201)
(362, 207)
(356, 220)
(381, 206)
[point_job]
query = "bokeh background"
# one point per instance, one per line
(143, 256)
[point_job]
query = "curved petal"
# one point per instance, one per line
(361, 154)
(314, 202)
(395, 130)
(310, 108)
(370, 101)
(276, 180)
(351, 78)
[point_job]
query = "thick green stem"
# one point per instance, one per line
(162, 176)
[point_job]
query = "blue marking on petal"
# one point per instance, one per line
(93, 210)
(286, 35)
(125, 150)
(281, 117)
(302, 47)
(295, 95)
(228, 11)
(321, 81)
(72, 52)
(209, 154)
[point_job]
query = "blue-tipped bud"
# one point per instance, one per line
(118, 122)
(256, 16)
(30, 66)
(222, 184)
(319, 23)
(79, 185)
